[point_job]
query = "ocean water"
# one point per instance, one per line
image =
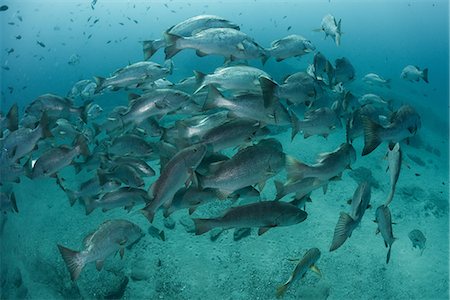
(378, 36)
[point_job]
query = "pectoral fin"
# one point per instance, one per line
(99, 265)
(262, 230)
(121, 252)
(316, 270)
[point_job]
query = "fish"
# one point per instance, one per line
(413, 73)
(137, 164)
(354, 125)
(264, 215)
(130, 145)
(56, 107)
(126, 197)
(4, 8)
(394, 156)
(321, 66)
(373, 99)
(190, 198)
(111, 237)
(134, 75)
(384, 221)
(320, 121)
(344, 71)
(10, 121)
(375, 79)
(187, 28)
(235, 78)
(156, 233)
(93, 4)
(308, 261)
(178, 171)
(227, 42)
(290, 46)
(347, 223)
(24, 140)
(122, 173)
(248, 106)
(249, 166)
(57, 158)
(40, 44)
(332, 28)
(403, 123)
(329, 165)
(418, 239)
(301, 188)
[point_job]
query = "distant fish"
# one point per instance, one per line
(413, 73)
(93, 4)
(111, 237)
(418, 239)
(40, 44)
(10, 50)
(289, 28)
(308, 261)
(4, 7)
(331, 28)
(375, 79)
(18, 37)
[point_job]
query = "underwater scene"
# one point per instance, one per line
(224, 149)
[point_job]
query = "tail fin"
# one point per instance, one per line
(281, 290)
(99, 81)
(74, 261)
(150, 47)
(171, 48)
(268, 89)
(202, 226)
(81, 142)
(148, 212)
(199, 78)
(264, 58)
(44, 125)
(211, 100)
(342, 231)
(371, 135)
(169, 65)
(388, 257)
(13, 118)
(338, 33)
(89, 205)
(295, 124)
(295, 170)
(12, 198)
(279, 186)
(72, 197)
(425, 75)
(329, 69)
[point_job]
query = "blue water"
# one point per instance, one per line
(378, 36)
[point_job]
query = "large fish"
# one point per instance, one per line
(403, 124)
(250, 166)
(347, 223)
(290, 46)
(413, 73)
(111, 237)
(384, 221)
(394, 164)
(227, 42)
(177, 172)
(320, 121)
(134, 75)
(264, 215)
(307, 262)
(187, 28)
(329, 164)
(331, 28)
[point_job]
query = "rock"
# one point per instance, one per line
(169, 223)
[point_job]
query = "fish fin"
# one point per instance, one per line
(268, 87)
(325, 188)
(200, 53)
(202, 226)
(71, 195)
(281, 290)
(99, 264)
(316, 270)
(263, 230)
(342, 231)
(371, 135)
(388, 257)
(222, 194)
(132, 97)
(295, 169)
(148, 47)
(295, 125)
(192, 210)
(99, 81)
(425, 75)
(129, 207)
(378, 230)
(44, 124)
(89, 204)
(279, 59)
(121, 252)
(279, 186)
(338, 33)
(162, 235)
(81, 142)
(199, 78)
(148, 213)
(12, 198)
(264, 58)
(261, 185)
(211, 99)
(74, 261)
(13, 117)
(171, 48)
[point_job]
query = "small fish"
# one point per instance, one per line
(395, 162)
(10, 50)
(111, 237)
(375, 79)
(4, 8)
(308, 261)
(95, 21)
(383, 218)
(418, 239)
(93, 4)
(289, 28)
(413, 73)
(40, 44)
(18, 37)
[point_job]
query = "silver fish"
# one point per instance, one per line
(344, 71)
(111, 237)
(394, 165)
(403, 123)
(375, 79)
(177, 172)
(290, 46)
(372, 99)
(320, 121)
(383, 218)
(413, 73)
(331, 28)
(307, 262)
(301, 188)
(56, 107)
(264, 215)
(130, 145)
(125, 197)
(187, 28)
